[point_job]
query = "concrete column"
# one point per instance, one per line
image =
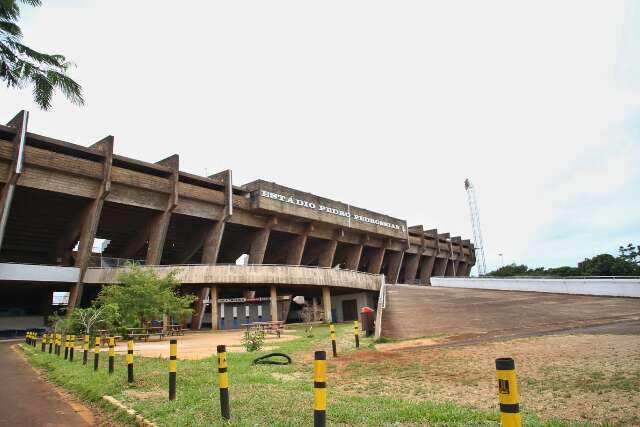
(274, 304)
(376, 261)
(212, 242)
(214, 307)
(90, 221)
(353, 257)
(326, 303)
(411, 269)
(294, 256)
(440, 267)
(198, 309)
(157, 237)
(395, 262)
(20, 122)
(327, 254)
(160, 224)
(426, 269)
(449, 270)
(259, 242)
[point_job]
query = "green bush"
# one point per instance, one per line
(253, 340)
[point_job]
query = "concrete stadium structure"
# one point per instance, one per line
(57, 198)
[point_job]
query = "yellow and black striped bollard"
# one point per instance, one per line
(96, 353)
(173, 367)
(356, 332)
(27, 337)
(58, 343)
(332, 332)
(66, 346)
(508, 393)
(130, 361)
(112, 353)
(72, 346)
(50, 339)
(320, 389)
(85, 349)
(223, 382)
(43, 343)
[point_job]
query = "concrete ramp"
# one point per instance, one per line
(424, 311)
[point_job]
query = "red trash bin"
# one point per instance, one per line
(367, 320)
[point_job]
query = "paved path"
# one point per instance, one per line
(28, 400)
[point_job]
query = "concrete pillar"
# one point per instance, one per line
(90, 221)
(426, 269)
(212, 242)
(160, 223)
(377, 258)
(214, 307)
(440, 267)
(314, 305)
(327, 254)
(354, 254)
(19, 122)
(326, 303)
(259, 245)
(294, 255)
(274, 303)
(395, 263)
(411, 268)
(450, 268)
(198, 309)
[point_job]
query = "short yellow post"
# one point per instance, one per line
(112, 353)
(332, 332)
(508, 396)
(96, 353)
(320, 389)
(173, 367)
(85, 349)
(130, 361)
(66, 346)
(356, 332)
(223, 382)
(72, 345)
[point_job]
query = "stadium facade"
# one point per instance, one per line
(57, 198)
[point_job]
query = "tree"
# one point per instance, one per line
(510, 271)
(141, 295)
(630, 253)
(607, 265)
(87, 319)
(20, 65)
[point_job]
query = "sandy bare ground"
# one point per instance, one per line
(592, 378)
(197, 345)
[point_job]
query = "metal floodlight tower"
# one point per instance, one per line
(475, 225)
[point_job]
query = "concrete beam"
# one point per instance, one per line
(274, 303)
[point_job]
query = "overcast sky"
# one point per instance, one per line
(385, 105)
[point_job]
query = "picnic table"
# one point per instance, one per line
(175, 329)
(145, 332)
(271, 327)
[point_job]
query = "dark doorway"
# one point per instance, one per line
(349, 310)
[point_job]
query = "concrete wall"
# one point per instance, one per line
(604, 286)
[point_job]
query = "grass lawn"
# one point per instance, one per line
(260, 395)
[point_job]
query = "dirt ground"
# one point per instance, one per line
(198, 345)
(593, 376)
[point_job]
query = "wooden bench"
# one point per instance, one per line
(275, 327)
